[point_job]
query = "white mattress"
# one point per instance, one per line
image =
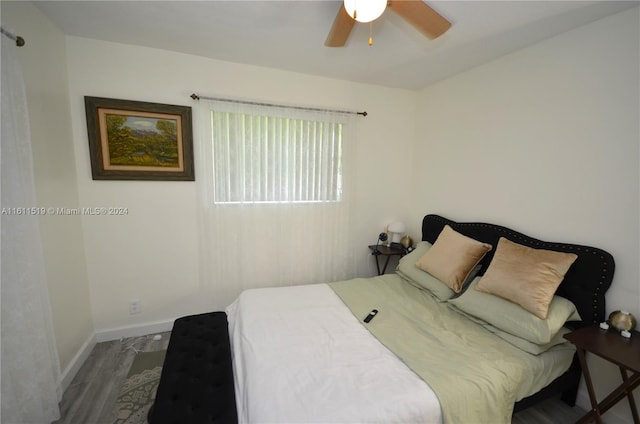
(328, 367)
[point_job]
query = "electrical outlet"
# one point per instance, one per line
(134, 307)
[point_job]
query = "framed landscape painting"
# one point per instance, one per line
(130, 140)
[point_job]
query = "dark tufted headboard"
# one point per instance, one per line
(584, 284)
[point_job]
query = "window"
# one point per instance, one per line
(267, 158)
(274, 179)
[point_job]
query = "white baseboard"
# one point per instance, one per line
(133, 330)
(609, 417)
(74, 366)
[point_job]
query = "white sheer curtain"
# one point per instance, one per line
(276, 187)
(30, 366)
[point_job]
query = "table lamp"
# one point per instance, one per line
(397, 230)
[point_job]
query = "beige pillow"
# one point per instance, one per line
(452, 257)
(526, 276)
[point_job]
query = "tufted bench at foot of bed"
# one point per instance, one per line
(196, 385)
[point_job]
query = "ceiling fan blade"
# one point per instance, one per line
(340, 30)
(421, 16)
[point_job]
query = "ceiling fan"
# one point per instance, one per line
(426, 20)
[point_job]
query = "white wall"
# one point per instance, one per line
(546, 141)
(45, 74)
(152, 253)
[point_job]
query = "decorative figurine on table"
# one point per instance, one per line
(622, 321)
(407, 243)
(382, 237)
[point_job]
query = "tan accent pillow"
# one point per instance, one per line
(526, 276)
(452, 257)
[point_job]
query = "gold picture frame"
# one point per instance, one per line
(131, 140)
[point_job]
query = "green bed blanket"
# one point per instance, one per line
(476, 375)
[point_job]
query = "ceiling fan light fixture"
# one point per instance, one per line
(365, 10)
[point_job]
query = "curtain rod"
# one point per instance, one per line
(196, 97)
(19, 40)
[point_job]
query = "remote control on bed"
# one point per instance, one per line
(371, 315)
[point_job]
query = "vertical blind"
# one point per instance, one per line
(275, 159)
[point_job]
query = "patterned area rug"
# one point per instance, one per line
(139, 389)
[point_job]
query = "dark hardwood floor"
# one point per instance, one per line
(91, 396)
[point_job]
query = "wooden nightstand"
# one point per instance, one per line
(625, 353)
(385, 251)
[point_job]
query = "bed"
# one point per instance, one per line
(443, 346)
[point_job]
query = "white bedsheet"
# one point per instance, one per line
(300, 356)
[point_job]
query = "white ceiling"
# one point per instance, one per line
(290, 35)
